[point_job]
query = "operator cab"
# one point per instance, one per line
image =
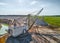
(18, 28)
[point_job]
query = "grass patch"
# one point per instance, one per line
(52, 20)
(55, 21)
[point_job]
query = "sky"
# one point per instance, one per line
(24, 7)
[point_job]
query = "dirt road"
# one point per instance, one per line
(44, 35)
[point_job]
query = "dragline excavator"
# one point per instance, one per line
(17, 35)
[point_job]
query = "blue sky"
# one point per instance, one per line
(51, 7)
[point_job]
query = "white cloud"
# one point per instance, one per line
(43, 5)
(33, 2)
(21, 1)
(1, 3)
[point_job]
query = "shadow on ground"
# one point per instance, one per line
(24, 38)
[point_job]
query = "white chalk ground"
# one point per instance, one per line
(2, 30)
